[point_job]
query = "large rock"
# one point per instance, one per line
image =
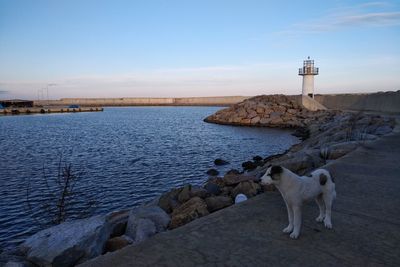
(249, 165)
(184, 195)
(338, 150)
(255, 120)
(145, 221)
(73, 242)
(169, 200)
(212, 188)
(117, 243)
(299, 163)
(212, 172)
(198, 191)
(384, 129)
(189, 211)
(145, 228)
(248, 188)
(220, 162)
(233, 179)
(217, 203)
(214, 185)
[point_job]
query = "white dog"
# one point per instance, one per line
(296, 190)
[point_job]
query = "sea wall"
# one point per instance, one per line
(143, 101)
(381, 102)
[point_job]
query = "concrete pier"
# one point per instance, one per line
(146, 101)
(44, 110)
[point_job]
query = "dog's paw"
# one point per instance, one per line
(294, 235)
(288, 229)
(319, 219)
(328, 224)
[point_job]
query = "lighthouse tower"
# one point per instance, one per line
(308, 71)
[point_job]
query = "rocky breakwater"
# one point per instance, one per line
(266, 110)
(326, 134)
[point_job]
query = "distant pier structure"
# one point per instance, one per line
(308, 71)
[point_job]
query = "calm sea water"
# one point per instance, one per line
(123, 156)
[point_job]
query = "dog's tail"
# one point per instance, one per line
(327, 180)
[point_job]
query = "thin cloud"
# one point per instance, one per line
(347, 17)
(356, 20)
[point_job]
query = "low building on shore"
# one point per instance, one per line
(16, 103)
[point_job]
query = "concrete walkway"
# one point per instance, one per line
(366, 221)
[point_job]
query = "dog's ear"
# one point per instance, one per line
(275, 172)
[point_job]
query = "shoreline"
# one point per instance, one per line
(364, 231)
(184, 204)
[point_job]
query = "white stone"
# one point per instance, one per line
(240, 198)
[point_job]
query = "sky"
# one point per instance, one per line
(173, 48)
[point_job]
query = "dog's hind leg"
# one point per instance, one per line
(328, 198)
(289, 228)
(296, 222)
(321, 206)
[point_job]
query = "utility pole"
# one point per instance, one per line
(47, 91)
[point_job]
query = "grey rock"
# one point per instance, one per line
(232, 171)
(382, 130)
(212, 172)
(137, 229)
(220, 162)
(212, 188)
(189, 211)
(145, 228)
(198, 191)
(257, 158)
(233, 179)
(249, 165)
(184, 195)
(69, 243)
(169, 200)
(218, 202)
(117, 243)
(339, 150)
(248, 188)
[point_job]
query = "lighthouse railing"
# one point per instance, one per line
(308, 70)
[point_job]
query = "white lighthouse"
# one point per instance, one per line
(308, 71)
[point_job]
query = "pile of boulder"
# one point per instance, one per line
(188, 203)
(338, 135)
(265, 110)
(74, 242)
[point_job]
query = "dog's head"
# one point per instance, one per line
(272, 175)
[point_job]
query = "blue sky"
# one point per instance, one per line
(195, 48)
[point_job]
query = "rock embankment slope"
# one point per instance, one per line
(366, 219)
(266, 110)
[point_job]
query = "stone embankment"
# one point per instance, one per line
(268, 111)
(327, 135)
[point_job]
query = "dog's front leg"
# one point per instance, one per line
(296, 222)
(289, 228)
